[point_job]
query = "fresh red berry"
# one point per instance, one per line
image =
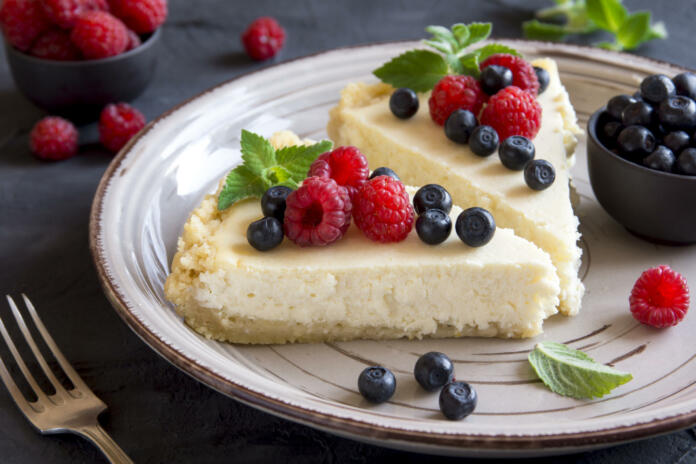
(133, 40)
(64, 13)
(523, 74)
(660, 297)
(383, 210)
(346, 165)
(55, 44)
(317, 213)
(53, 139)
(512, 111)
(263, 38)
(454, 93)
(119, 122)
(22, 21)
(143, 16)
(99, 34)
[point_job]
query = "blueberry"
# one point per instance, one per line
(636, 142)
(609, 132)
(677, 113)
(685, 84)
(686, 163)
(432, 196)
(656, 88)
(475, 226)
(494, 78)
(459, 125)
(662, 159)
(676, 141)
(483, 141)
(539, 174)
(384, 172)
(273, 202)
(265, 233)
(403, 103)
(543, 77)
(637, 96)
(637, 113)
(376, 384)
(617, 104)
(433, 370)
(457, 400)
(433, 226)
(516, 151)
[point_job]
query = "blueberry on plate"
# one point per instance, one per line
(609, 132)
(617, 104)
(457, 400)
(686, 163)
(483, 141)
(376, 384)
(685, 83)
(265, 234)
(433, 226)
(662, 159)
(494, 78)
(543, 77)
(403, 103)
(676, 141)
(635, 142)
(677, 113)
(656, 88)
(637, 113)
(383, 171)
(432, 196)
(516, 151)
(475, 226)
(273, 202)
(433, 370)
(459, 125)
(539, 174)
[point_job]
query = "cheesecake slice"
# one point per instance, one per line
(420, 153)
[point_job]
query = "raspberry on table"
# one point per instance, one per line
(346, 165)
(453, 93)
(263, 38)
(317, 213)
(660, 297)
(22, 21)
(512, 111)
(55, 44)
(119, 122)
(64, 13)
(99, 34)
(523, 74)
(382, 210)
(142, 16)
(53, 139)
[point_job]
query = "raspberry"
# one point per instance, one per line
(133, 40)
(512, 111)
(317, 213)
(143, 16)
(660, 297)
(454, 93)
(118, 123)
(99, 34)
(263, 38)
(53, 139)
(346, 165)
(64, 13)
(22, 21)
(55, 44)
(383, 211)
(523, 74)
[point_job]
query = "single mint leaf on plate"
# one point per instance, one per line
(418, 70)
(570, 372)
(491, 49)
(470, 65)
(257, 152)
(607, 14)
(297, 159)
(462, 34)
(478, 32)
(537, 30)
(444, 47)
(442, 34)
(634, 30)
(241, 183)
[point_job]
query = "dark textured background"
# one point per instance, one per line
(157, 413)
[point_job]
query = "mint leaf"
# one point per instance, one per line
(418, 70)
(241, 183)
(257, 152)
(442, 34)
(537, 30)
(570, 372)
(462, 34)
(633, 30)
(470, 65)
(607, 14)
(444, 47)
(491, 49)
(478, 32)
(657, 31)
(296, 159)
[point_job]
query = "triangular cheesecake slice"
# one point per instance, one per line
(419, 152)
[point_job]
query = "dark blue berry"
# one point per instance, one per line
(459, 125)
(656, 88)
(637, 96)
(433, 370)
(662, 159)
(475, 226)
(403, 103)
(617, 104)
(677, 113)
(384, 172)
(376, 384)
(432, 196)
(265, 233)
(539, 174)
(273, 202)
(676, 141)
(637, 114)
(543, 77)
(457, 400)
(433, 226)
(636, 142)
(685, 83)
(483, 141)
(609, 132)
(686, 163)
(516, 151)
(494, 78)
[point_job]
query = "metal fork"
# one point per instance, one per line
(66, 411)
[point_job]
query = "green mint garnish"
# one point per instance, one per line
(264, 167)
(420, 70)
(570, 372)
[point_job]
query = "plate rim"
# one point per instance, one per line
(344, 425)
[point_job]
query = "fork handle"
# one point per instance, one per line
(105, 443)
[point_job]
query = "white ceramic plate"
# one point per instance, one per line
(149, 190)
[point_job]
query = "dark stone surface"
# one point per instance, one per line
(157, 413)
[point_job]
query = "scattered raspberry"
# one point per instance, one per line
(55, 44)
(118, 123)
(99, 34)
(22, 21)
(346, 165)
(523, 74)
(143, 16)
(64, 13)
(660, 297)
(382, 210)
(263, 38)
(317, 213)
(453, 93)
(133, 40)
(53, 139)
(512, 111)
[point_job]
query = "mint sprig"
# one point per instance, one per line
(570, 372)
(264, 167)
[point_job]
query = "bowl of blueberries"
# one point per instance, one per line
(641, 157)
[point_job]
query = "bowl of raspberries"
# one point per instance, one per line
(641, 157)
(72, 57)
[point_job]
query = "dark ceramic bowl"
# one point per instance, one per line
(79, 89)
(654, 205)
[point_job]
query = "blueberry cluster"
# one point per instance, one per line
(656, 126)
(267, 233)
